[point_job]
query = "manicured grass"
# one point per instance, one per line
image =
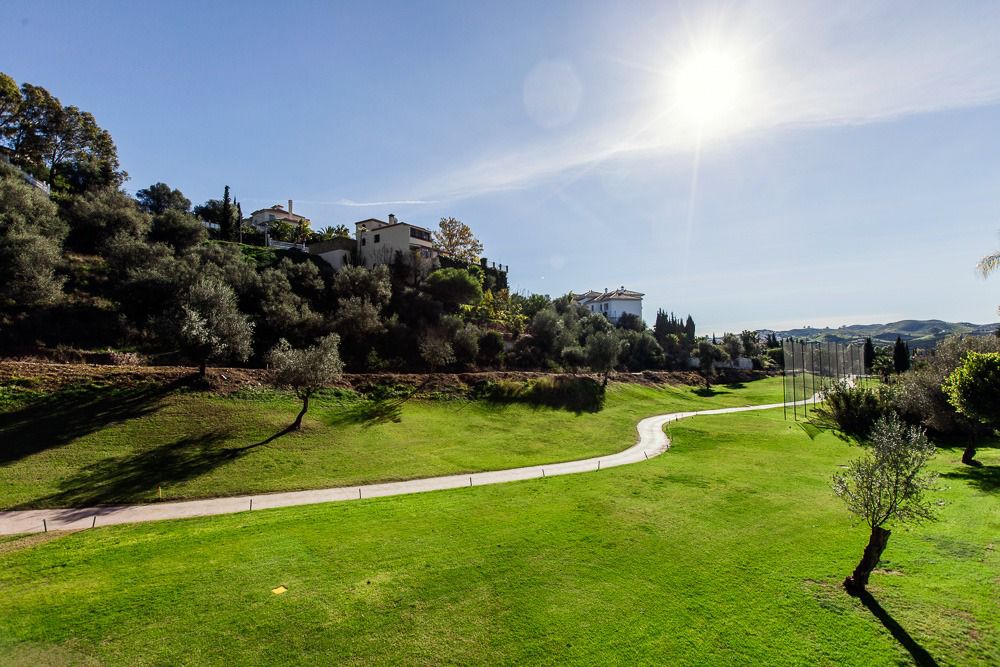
(92, 445)
(727, 550)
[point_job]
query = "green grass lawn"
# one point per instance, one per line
(91, 445)
(727, 550)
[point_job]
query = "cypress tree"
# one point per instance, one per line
(689, 329)
(226, 223)
(900, 358)
(869, 353)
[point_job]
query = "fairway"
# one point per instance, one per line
(98, 446)
(729, 549)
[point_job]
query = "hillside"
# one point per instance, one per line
(918, 333)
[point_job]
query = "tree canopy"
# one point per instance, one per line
(455, 239)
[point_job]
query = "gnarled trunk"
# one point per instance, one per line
(298, 420)
(969, 456)
(857, 583)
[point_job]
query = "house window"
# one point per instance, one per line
(364, 239)
(376, 238)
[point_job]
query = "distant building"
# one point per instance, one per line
(262, 219)
(379, 242)
(612, 304)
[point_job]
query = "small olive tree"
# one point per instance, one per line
(708, 354)
(887, 485)
(211, 324)
(307, 369)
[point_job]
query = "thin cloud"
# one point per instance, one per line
(397, 202)
(820, 69)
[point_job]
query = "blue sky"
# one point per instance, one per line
(852, 175)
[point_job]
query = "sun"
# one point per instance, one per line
(709, 88)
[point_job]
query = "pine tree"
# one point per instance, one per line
(239, 221)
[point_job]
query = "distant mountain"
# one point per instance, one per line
(918, 333)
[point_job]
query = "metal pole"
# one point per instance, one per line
(784, 382)
(795, 409)
(805, 399)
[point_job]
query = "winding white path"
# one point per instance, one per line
(652, 442)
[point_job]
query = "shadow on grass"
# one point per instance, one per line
(736, 385)
(708, 392)
(575, 394)
(383, 406)
(917, 652)
(135, 477)
(58, 418)
(985, 478)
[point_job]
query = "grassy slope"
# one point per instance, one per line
(729, 549)
(104, 448)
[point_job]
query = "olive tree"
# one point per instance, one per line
(708, 354)
(886, 486)
(212, 326)
(306, 370)
(603, 349)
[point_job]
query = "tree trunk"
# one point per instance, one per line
(201, 369)
(298, 420)
(969, 456)
(857, 583)
(604, 385)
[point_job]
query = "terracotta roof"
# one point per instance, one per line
(620, 294)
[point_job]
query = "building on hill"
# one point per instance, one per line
(379, 242)
(611, 304)
(262, 219)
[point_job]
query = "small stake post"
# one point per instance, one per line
(45, 525)
(598, 464)
(359, 493)
(94, 522)
(646, 455)
(543, 472)
(251, 504)
(470, 480)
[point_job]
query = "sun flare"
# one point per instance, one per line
(709, 89)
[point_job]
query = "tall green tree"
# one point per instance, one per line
(708, 355)
(160, 197)
(900, 356)
(869, 354)
(974, 390)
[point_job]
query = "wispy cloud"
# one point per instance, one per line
(396, 202)
(821, 67)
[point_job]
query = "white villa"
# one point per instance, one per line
(611, 304)
(379, 241)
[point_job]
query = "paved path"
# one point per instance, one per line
(652, 442)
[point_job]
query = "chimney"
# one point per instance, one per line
(289, 206)
(392, 218)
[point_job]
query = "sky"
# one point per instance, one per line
(754, 164)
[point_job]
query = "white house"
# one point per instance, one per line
(378, 242)
(611, 304)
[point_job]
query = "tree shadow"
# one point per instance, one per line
(708, 392)
(384, 405)
(60, 417)
(917, 652)
(736, 385)
(134, 478)
(985, 478)
(575, 394)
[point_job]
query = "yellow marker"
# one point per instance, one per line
(279, 590)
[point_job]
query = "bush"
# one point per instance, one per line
(853, 410)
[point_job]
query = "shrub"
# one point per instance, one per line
(853, 410)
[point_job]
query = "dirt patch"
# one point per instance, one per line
(29, 541)
(42, 375)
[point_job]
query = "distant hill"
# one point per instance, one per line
(918, 333)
